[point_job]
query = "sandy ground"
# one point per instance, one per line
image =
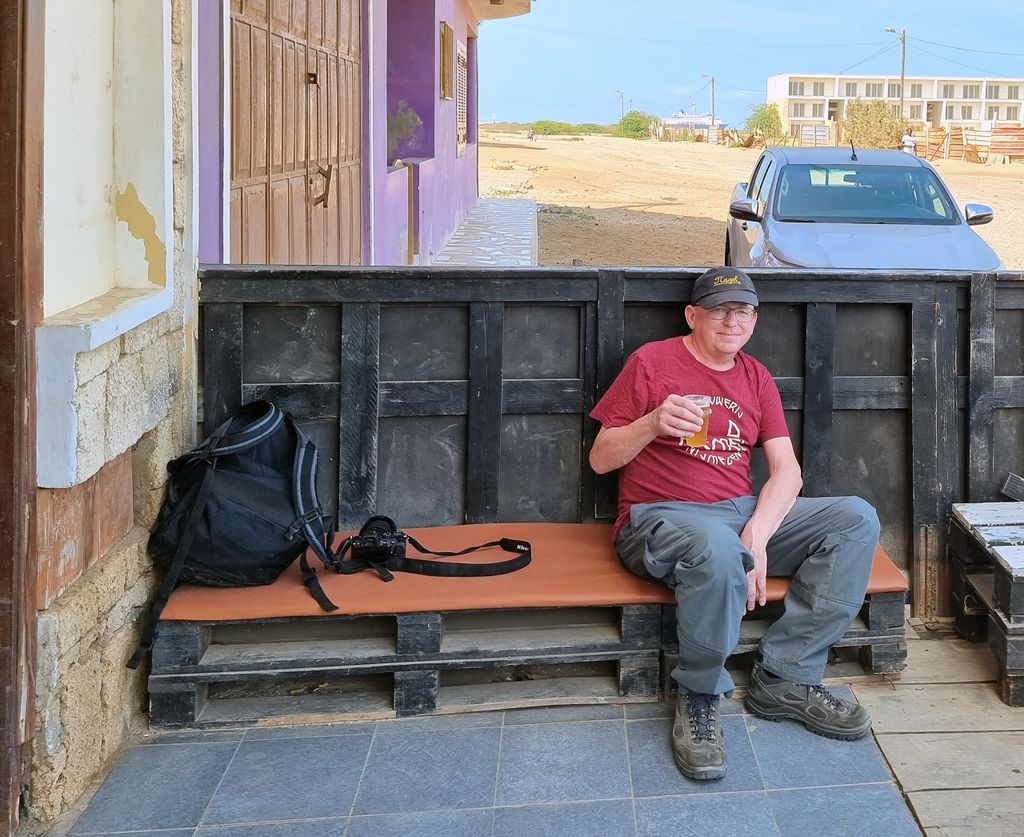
(611, 201)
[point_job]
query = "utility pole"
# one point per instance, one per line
(903, 60)
(622, 106)
(713, 128)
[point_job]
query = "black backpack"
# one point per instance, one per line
(240, 508)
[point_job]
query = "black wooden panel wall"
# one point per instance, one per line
(441, 396)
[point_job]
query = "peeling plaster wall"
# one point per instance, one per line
(132, 393)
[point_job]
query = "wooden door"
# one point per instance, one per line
(296, 132)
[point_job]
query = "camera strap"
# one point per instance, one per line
(383, 563)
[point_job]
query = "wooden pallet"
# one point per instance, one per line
(986, 556)
(208, 674)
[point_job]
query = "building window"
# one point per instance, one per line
(796, 88)
(819, 88)
(916, 91)
(966, 112)
(971, 91)
(873, 90)
(796, 109)
(993, 112)
(949, 111)
(895, 109)
(948, 91)
(991, 91)
(915, 111)
(851, 89)
(1013, 91)
(447, 61)
(1013, 113)
(462, 100)
(818, 110)
(894, 89)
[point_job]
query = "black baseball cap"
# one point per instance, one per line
(723, 284)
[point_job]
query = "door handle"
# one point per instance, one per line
(744, 226)
(326, 174)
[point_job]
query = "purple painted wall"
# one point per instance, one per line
(212, 158)
(411, 27)
(446, 182)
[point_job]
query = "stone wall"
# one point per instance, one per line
(135, 397)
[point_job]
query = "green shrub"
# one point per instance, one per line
(764, 120)
(872, 124)
(551, 126)
(636, 125)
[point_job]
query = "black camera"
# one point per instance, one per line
(379, 541)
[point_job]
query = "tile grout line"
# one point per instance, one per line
(362, 774)
(220, 782)
(497, 771)
(629, 767)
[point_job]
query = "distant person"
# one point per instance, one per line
(908, 142)
(688, 517)
(531, 135)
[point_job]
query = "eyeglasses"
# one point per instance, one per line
(720, 312)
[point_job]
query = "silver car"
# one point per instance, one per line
(852, 208)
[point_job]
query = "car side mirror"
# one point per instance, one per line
(978, 213)
(746, 209)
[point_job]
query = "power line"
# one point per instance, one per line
(633, 39)
(889, 45)
(966, 49)
(961, 64)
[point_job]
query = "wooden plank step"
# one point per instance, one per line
(333, 695)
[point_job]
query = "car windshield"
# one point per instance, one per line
(849, 193)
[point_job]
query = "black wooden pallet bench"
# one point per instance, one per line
(986, 556)
(573, 627)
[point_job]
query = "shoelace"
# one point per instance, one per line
(826, 696)
(701, 708)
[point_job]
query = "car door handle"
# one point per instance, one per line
(744, 226)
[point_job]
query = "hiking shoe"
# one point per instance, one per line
(698, 743)
(815, 707)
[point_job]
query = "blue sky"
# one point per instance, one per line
(567, 59)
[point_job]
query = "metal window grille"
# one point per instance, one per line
(462, 100)
(447, 59)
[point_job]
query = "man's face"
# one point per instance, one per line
(723, 329)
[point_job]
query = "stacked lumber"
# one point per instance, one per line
(955, 149)
(976, 144)
(1007, 143)
(934, 145)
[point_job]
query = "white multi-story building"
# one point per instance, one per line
(970, 101)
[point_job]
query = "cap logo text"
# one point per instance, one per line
(727, 280)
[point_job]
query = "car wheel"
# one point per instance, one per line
(728, 255)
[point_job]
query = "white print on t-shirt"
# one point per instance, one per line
(719, 450)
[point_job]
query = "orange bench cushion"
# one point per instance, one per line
(574, 565)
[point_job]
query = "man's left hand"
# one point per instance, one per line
(757, 585)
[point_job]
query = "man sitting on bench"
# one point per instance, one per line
(687, 517)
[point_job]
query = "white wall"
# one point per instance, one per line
(106, 153)
(78, 153)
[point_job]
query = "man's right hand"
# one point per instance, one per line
(677, 417)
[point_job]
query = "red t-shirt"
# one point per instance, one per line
(745, 410)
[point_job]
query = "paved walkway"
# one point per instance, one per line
(587, 771)
(497, 232)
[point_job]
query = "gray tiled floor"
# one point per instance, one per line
(564, 772)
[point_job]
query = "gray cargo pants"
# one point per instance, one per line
(826, 544)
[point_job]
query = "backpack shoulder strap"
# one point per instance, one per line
(309, 515)
(174, 570)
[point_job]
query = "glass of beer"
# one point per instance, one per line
(700, 438)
